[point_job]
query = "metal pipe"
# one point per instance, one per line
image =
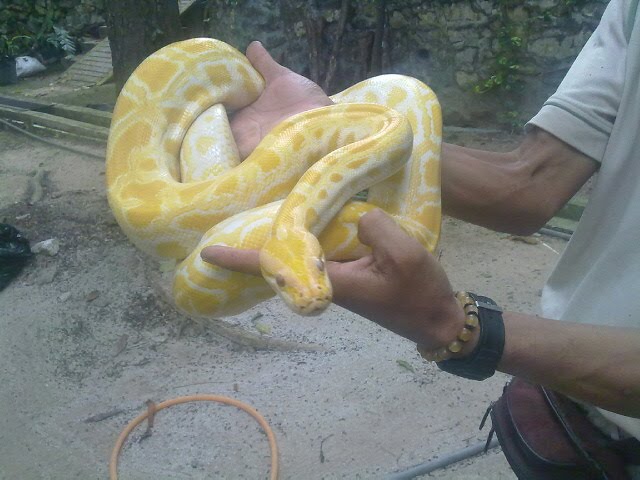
(444, 461)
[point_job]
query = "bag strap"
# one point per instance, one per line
(595, 447)
(561, 414)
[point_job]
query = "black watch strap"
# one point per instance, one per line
(482, 362)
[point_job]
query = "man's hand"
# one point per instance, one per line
(286, 93)
(400, 285)
(403, 288)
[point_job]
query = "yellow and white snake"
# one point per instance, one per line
(175, 182)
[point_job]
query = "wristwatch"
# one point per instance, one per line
(481, 363)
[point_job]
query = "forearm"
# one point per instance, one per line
(477, 184)
(516, 191)
(596, 364)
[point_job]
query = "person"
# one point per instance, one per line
(591, 124)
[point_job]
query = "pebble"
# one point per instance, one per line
(50, 247)
(92, 296)
(64, 296)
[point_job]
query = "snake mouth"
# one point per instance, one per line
(301, 299)
(307, 303)
(312, 307)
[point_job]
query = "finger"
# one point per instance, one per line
(238, 260)
(262, 60)
(379, 231)
(350, 280)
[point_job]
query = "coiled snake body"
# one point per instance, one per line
(175, 182)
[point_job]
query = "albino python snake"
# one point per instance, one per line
(175, 182)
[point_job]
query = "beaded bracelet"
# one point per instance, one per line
(471, 322)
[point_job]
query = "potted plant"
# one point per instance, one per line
(9, 48)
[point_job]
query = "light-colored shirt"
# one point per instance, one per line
(596, 109)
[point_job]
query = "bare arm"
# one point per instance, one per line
(515, 192)
(597, 364)
(403, 288)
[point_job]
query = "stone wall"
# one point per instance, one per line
(516, 52)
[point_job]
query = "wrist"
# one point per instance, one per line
(478, 348)
(482, 361)
(461, 335)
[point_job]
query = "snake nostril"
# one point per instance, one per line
(320, 264)
(280, 280)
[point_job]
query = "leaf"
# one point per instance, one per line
(263, 328)
(523, 239)
(406, 365)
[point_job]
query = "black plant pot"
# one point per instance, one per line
(8, 71)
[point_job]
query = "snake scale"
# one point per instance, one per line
(176, 184)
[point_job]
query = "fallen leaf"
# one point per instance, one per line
(263, 328)
(527, 240)
(406, 365)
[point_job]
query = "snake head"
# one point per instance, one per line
(295, 269)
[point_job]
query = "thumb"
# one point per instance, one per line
(262, 60)
(379, 231)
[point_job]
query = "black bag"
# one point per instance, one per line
(546, 436)
(14, 253)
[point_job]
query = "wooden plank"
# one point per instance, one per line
(87, 72)
(92, 60)
(25, 103)
(83, 81)
(80, 69)
(86, 81)
(97, 62)
(90, 73)
(183, 5)
(92, 68)
(79, 83)
(81, 114)
(91, 63)
(86, 76)
(57, 123)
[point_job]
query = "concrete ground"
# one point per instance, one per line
(88, 336)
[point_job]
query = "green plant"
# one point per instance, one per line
(62, 40)
(47, 22)
(12, 46)
(506, 71)
(512, 119)
(511, 33)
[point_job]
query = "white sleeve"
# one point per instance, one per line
(584, 108)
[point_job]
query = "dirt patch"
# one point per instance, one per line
(88, 334)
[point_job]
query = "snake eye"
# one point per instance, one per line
(280, 280)
(320, 264)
